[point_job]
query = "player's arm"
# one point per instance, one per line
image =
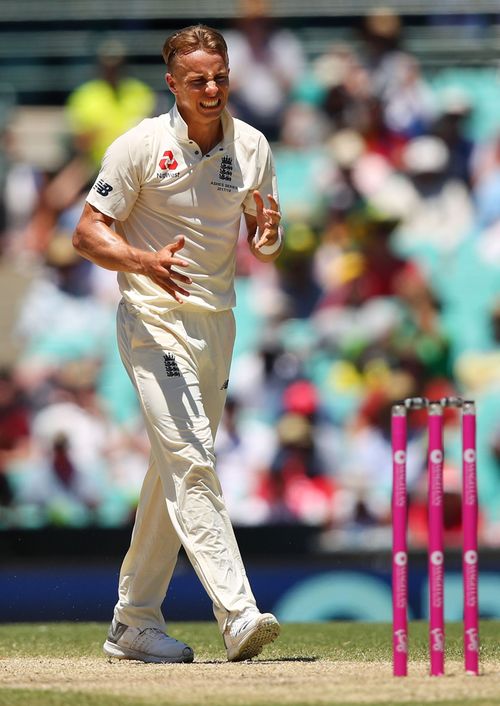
(265, 236)
(96, 240)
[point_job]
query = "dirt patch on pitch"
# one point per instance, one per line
(249, 683)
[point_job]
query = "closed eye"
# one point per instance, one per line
(220, 80)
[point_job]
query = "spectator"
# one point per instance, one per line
(273, 57)
(303, 167)
(365, 472)
(244, 449)
(17, 176)
(98, 111)
(68, 477)
(409, 104)
(381, 49)
(450, 126)
(105, 107)
(420, 341)
(379, 136)
(59, 320)
(14, 432)
(343, 81)
(440, 211)
(297, 487)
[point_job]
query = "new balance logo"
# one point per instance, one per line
(226, 168)
(171, 366)
(103, 188)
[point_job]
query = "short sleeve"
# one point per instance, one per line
(266, 181)
(118, 183)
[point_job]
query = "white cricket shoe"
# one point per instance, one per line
(247, 634)
(146, 645)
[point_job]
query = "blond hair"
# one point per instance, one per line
(191, 39)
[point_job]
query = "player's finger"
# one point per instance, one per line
(175, 261)
(259, 201)
(174, 294)
(264, 240)
(172, 288)
(272, 216)
(178, 243)
(273, 202)
(180, 277)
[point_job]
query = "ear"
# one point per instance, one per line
(170, 80)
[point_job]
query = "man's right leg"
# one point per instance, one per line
(150, 561)
(138, 629)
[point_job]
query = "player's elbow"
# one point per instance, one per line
(80, 239)
(77, 239)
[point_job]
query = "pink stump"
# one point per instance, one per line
(399, 544)
(436, 543)
(470, 553)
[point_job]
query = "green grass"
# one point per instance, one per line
(298, 644)
(333, 641)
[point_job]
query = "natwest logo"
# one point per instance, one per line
(168, 161)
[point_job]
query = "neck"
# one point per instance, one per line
(206, 138)
(206, 135)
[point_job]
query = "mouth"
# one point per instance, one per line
(210, 105)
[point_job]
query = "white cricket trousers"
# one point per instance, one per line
(179, 367)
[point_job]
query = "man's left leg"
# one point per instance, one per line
(244, 633)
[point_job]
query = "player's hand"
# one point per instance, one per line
(159, 266)
(268, 219)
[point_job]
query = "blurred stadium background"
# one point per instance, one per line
(386, 132)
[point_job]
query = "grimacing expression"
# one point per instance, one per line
(200, 84)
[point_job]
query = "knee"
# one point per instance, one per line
(202, 478)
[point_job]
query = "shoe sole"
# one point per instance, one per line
(265, 632)
(113, 650)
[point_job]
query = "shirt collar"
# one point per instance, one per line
(180, 129)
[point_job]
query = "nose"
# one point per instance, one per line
(211, 88)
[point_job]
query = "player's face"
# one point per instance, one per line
(200, 83)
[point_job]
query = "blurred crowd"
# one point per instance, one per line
(388, 287)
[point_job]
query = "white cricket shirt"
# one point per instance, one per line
(156, 184)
